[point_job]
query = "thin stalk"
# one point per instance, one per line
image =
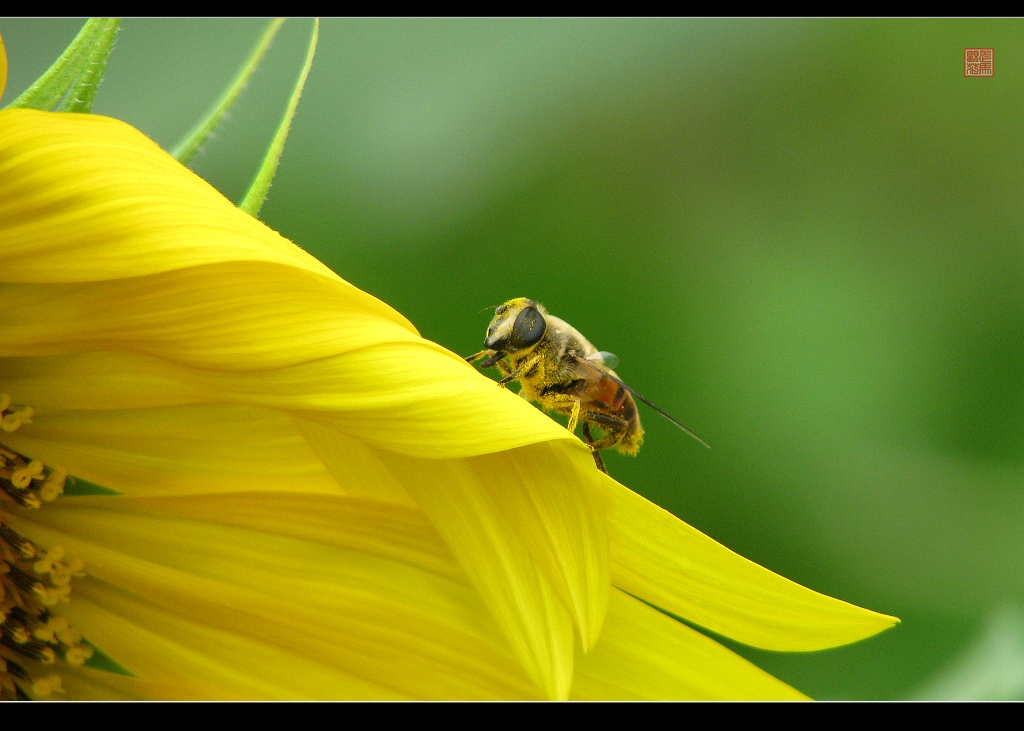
(48, 89)
(253, 200)
(190, 144)
(82, 92)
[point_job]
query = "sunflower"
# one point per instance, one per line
(228, 473)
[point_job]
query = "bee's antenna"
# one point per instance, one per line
(491, 307)
(667, 416)
(674, 421)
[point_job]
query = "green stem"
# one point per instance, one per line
(80, 95)
(48, 89)
(189, 145)
(253, 200)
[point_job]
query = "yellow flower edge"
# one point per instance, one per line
(3, 66)
(368, 630)
(175, 349)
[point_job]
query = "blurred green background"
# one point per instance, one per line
(803, 238)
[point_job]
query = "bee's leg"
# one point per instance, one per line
(615, 427)
(493, 360)
(597, 455)
(477, 356)
(515, 374)
(574, 416)
(565, 403)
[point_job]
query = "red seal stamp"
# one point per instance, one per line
(978, 61)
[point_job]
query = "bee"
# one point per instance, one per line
(559, 369)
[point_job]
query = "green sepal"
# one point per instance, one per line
(77, 487)
(69, 85)
(102, 661)
(253, 200)
(190, 144)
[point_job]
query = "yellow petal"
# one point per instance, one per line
(196, 660)
(644, 655)
(660, 558)
(411, 397)
(396, 532)
(190, 591)
(97, 685)
(190, 449)
(91, 198)
(353, 464)
(3, 67)
(532, 542)
(99, 380)
(233, 315)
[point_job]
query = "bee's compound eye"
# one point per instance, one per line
(528, 329)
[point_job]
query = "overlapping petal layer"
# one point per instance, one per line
(644, 655)
(386, 610)
(365, 599)
(316, 501)
(75, 185)
(661, 558)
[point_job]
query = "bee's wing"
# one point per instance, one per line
(592, 368)
(595, 366)
(608, 360)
